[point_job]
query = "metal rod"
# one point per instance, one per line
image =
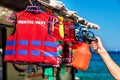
(4, 34)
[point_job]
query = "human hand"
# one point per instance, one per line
(98, 46)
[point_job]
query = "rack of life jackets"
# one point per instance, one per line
(42, 38)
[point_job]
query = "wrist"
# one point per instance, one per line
(103, 53)
(102, 50)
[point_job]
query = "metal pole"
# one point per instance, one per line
(4, 75)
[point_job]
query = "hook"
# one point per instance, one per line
(9, 18)
(31, 2)
(33, 8)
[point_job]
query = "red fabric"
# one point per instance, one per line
(50, 59)
(68, 40)
(30, 27)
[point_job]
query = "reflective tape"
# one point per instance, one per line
(50, 44)
(23, 52)
(9, 52)
(35, 53)
(23, 42)
(36, 42)
(11, 43)
(54, 54)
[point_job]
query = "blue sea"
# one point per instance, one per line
(97, 69)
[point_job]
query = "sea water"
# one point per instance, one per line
(97, 70)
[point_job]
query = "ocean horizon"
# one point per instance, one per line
(97, 70)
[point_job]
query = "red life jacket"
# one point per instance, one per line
(67, 47)
(31, 42)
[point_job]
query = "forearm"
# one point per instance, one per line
(112, 66)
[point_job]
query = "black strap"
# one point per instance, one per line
(49, 25)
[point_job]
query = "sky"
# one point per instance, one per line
(105, 13)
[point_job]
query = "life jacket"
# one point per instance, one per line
(68, 39)
(76, 43)
(31, 41)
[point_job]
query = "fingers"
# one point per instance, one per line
(98, 44)
(94, 45)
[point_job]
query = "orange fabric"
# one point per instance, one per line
(82, 57)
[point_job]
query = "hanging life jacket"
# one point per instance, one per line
(31, 42)
(68, 39)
